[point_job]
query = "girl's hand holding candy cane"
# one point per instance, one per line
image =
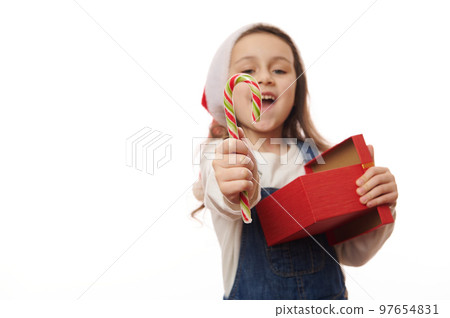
(235, 169)
(241, 170)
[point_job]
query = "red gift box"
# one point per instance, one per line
(324, 200)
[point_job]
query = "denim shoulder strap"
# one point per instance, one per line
(308, 149)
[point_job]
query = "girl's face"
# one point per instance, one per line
(271, 62)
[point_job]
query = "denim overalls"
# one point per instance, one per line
(299, 269)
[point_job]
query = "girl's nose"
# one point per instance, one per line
(265, 77)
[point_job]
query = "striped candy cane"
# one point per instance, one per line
(232, 125)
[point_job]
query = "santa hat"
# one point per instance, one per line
(218, 75)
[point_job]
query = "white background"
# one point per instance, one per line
(77, 222)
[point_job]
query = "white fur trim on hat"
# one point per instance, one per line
(218, 76)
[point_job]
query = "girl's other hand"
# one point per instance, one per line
(235, 169)
(377, 186)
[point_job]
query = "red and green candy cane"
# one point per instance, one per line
(232, 125)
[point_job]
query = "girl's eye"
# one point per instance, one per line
(279, 72)
(248, 71)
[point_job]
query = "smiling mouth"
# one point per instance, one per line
(267, 100)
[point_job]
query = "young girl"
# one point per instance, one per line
(307, 268)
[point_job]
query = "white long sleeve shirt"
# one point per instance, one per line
(275, 171)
